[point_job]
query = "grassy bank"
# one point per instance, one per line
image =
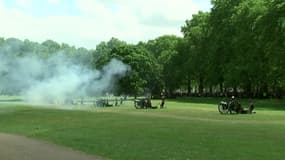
(187, 129)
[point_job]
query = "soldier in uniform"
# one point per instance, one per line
(162, 95)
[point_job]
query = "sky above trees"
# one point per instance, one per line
(85, 23)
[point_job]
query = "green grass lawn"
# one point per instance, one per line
(187, 129)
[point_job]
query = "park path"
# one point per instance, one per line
(14, 147)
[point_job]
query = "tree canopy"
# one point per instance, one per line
(237, 48)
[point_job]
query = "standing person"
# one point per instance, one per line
(251, 107)
(235, 105)
(232, 104)
(116, 102)
(162, 95)
(148, 103)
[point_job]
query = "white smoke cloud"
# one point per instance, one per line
(55, 78)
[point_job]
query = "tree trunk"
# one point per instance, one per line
(221, 89)
(188, 87)
(264, 90)
(248, 92)
(211, 91)
(235, 91)
(201, 87)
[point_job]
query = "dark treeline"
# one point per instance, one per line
(238, 48)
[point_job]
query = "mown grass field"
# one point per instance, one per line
(187, 129)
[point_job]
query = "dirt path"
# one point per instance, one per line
(14, 147)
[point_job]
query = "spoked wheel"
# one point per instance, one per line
(223, 108)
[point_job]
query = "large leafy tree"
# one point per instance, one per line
(163, 49)
(248, 66)
(220, 40)
(272, 40)
(196, 33)
(184, 69)
(143, 75)
(135, 81)
(51, 45)
(103, 50)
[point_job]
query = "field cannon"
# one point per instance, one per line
(234, 107)
(225, 107)
(144, 103)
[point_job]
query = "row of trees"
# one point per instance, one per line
(236, 48)
(18, 48)
(239, 46)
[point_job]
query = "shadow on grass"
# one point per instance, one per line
(260, 104)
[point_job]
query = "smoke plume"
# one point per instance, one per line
(56, 77)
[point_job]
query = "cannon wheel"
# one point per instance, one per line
(223, 109)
